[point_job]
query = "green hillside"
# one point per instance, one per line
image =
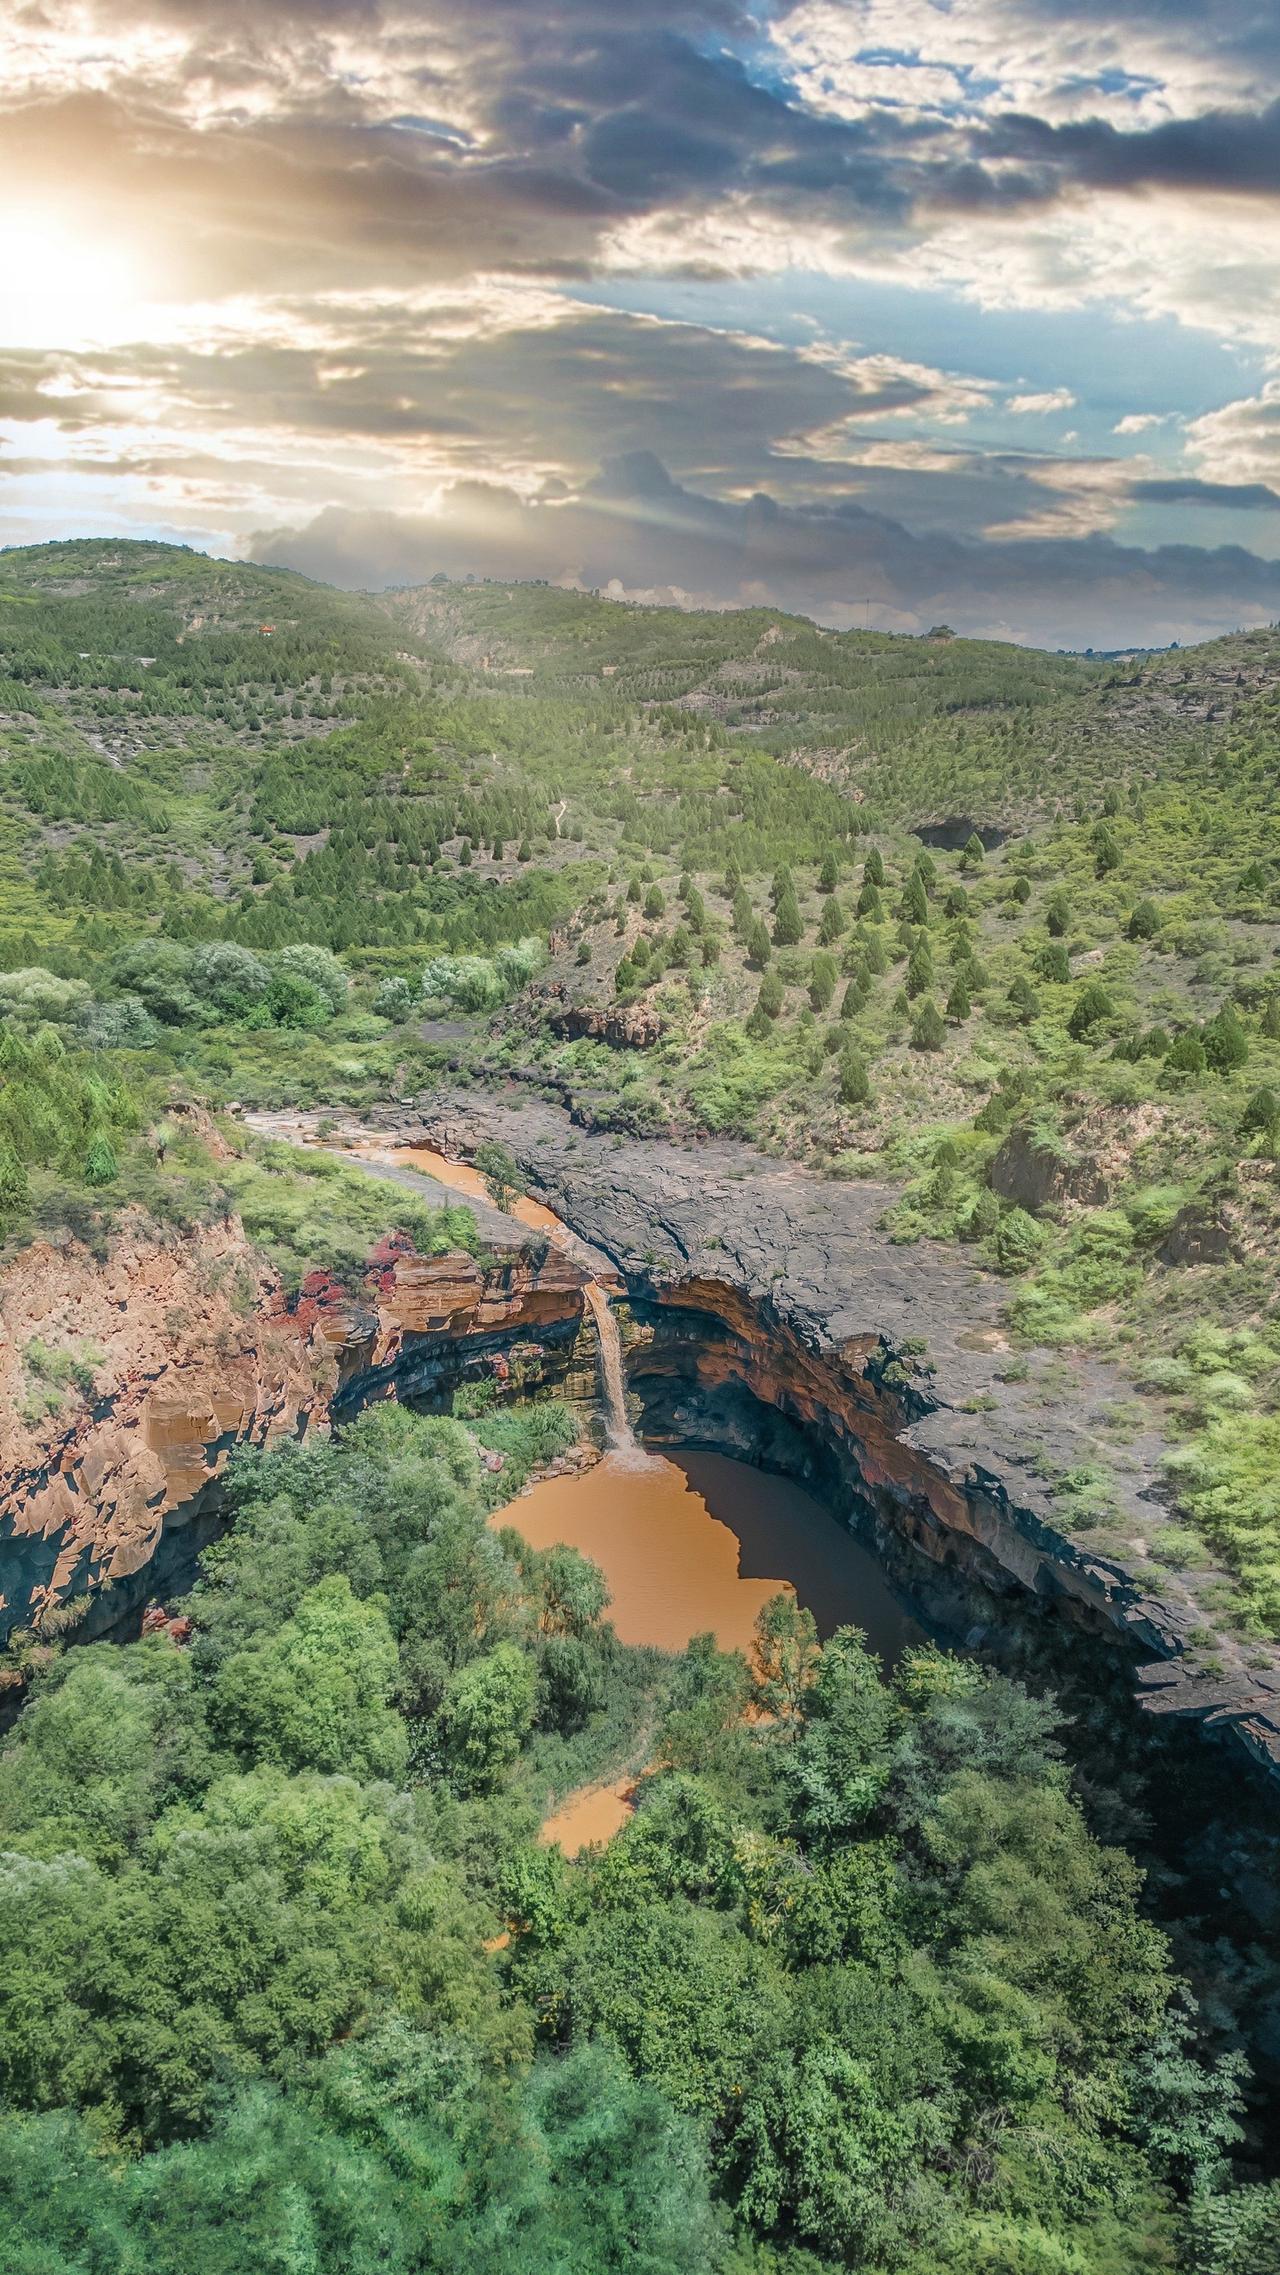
(1000, 925)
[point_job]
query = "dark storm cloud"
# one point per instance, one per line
(1184, 490)
(650, 534)
(1232, 152)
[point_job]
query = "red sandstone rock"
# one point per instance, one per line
(182, 1377)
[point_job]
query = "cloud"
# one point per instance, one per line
(634, 530)
(1241, 441)
(1185, 490)
(1039, 406)
(360, 238)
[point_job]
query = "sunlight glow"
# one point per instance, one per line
(59, 288)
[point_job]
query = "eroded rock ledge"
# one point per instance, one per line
(899, 1353)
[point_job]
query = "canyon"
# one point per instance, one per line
(764, 1313)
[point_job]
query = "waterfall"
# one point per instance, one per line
(617, 1426)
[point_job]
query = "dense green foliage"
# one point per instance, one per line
(285, 1983)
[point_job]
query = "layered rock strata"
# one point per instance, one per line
(971, 1456)
(127, 1380)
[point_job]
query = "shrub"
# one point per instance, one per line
(394, 999)
(100, 1164)
(125, 1025)
(1226, 1046)
(33, 994)
(1261, 1117)
(319, 967)
(1144, 923)
(1186, 1054)
(228, 978)
(1019, 1241)
(1093, 1005)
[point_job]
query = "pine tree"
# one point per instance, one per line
(914, 904)
(829, 874)
(958, 1004)
(832, 924)
(975, 852)
(927, 1030)
(757, 945)
(822, 981)
(854, 1081)
(1186, 1054)
(873, 867)
(1053, 963)
(1057, 914)
(1092, 1006)
(1105, 849)
(1144, 923)
(772, 995)
(788, 925)
(1023, 1000)
(920, 973)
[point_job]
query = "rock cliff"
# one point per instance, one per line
(896, 1355)
(126, 1381)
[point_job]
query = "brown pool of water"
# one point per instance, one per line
(699, 1542)
(595, 1813)
(671, 1566)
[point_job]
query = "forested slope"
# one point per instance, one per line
(999, 925)
(285, 1981)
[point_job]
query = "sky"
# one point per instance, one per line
(960, 311)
